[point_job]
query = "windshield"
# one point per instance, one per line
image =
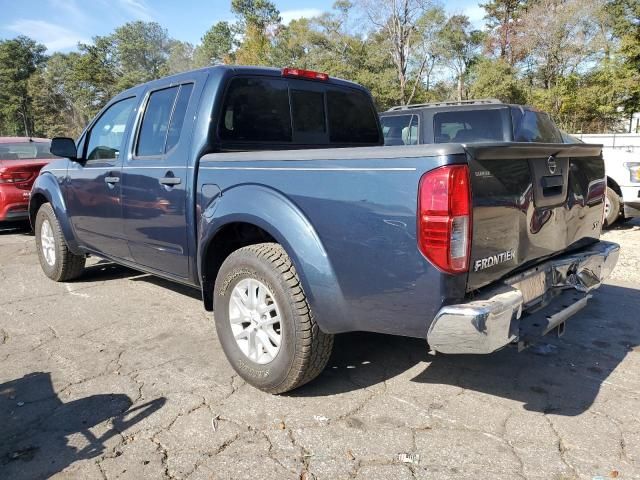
(24, 150)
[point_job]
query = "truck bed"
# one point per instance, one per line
(358, 206)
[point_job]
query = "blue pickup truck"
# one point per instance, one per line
(271, 192)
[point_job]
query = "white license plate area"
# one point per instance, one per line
(532, 287)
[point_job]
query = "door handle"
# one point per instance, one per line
(171, 181)
(111, 180)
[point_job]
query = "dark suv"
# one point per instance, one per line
(467, 121)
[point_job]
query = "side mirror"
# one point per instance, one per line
(64, 147)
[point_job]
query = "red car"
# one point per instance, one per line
(21, 159)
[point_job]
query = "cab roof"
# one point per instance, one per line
(232, 70)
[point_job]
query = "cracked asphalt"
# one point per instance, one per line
(119, 375)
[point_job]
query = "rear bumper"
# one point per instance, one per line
(14, 203)
(631, 199)
(510, 312)
(632, 209)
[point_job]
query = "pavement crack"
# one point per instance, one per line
(305, 454)
(54, 336)
(99, 465)
(273, 457)
(562, 449)
(203, 403)
(164, 456)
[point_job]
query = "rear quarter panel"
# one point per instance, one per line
(349, 225)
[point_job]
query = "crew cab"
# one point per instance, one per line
(271, 192)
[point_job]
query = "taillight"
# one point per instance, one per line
(19, 178)
(308, 74)
(444, 217)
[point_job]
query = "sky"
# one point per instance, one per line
(61, 24)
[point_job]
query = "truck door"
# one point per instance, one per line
(155, 182)
(93, 189)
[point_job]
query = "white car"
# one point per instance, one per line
(623, 183)
(622, 167)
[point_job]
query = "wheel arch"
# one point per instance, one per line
(611, 183)
(250, 214)
(47, 190)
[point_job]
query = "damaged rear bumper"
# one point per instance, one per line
(526, 306)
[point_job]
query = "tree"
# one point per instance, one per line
(140, 52)
(559, 38)
(19, 59)
(502, 18)
(496, 79)
(407, 27)
(625, 15)
(54, 108)
(328, 43)
(258, 22)
(95, 76)
(181, 57)
(430, 48)
(216, 45)
(262, 14)
(461, 47)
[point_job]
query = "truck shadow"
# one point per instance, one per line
(560, 375)
(631, 224)
(16, 228)
(105, 270)
(40, 435)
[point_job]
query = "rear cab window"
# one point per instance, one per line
(25, 151)
(464, 126)
(400, 129)
(269, 112)
(351, 119)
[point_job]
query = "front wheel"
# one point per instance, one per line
(57, 261)
(611, 207)
(264, 322)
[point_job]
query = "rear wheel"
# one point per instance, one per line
(264, 322)
(612, 205)
(57, 261)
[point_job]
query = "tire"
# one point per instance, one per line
(63, 265)
(304, 349)
(613, 205)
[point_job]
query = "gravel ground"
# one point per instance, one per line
(119, 375)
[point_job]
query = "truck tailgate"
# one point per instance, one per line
(530, 202)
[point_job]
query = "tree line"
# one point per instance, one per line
(577, 59)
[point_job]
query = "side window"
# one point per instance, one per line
(155, 123)
(400, 129)
(308, 111)
(351, 118)
(107, 134)
(256, 110)
(177, 119)
(534, 126)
